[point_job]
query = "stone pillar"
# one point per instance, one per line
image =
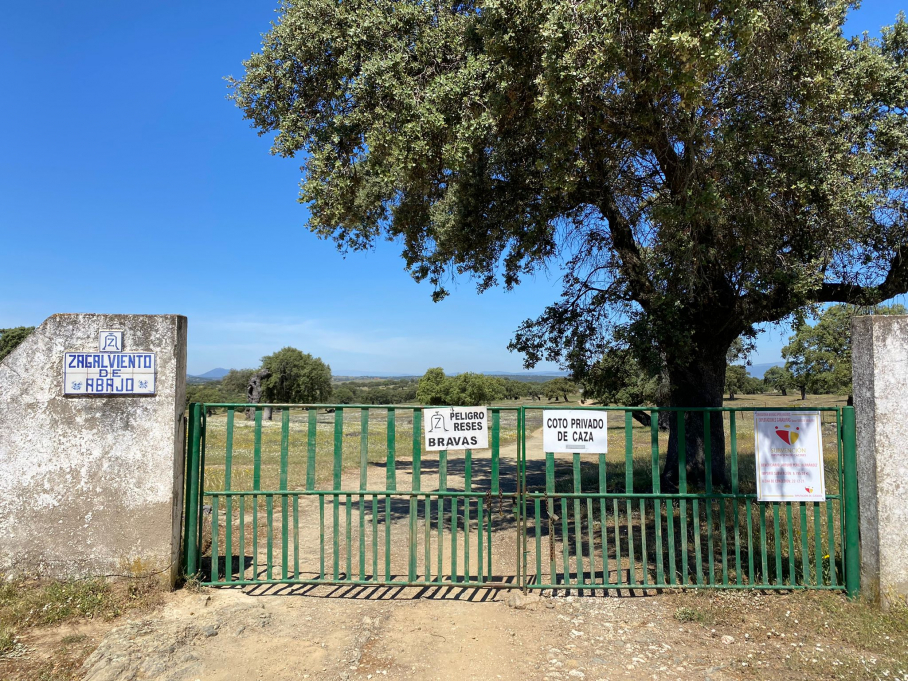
(92, 484)
(880, 375)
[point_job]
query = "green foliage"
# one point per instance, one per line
(433, 387)
(699, 169)
(818, 357)
(235, 383)
(10, 338)
(735, 379)
(779, 379)
(619, 378)
(206, 392)
(559, 387)
(296, 378)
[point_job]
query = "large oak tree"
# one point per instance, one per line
(695, 168)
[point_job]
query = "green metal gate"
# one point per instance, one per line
(343, 494)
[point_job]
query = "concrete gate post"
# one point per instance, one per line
(880, 377)
(91, 474)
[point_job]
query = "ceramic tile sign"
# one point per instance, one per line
(110, 371)
(575, 430)
(456, 428)
(789, 455)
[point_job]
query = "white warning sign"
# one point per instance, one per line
(456, 428)
(789, 447)
(571, 430)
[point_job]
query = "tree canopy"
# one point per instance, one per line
(10, 338)
(697, 168)
(296, 377)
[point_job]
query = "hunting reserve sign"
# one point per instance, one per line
(456, 428)
(110, 371)
(575, 430)
(789, 454)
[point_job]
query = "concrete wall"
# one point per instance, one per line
(91, 485)
(880, 373)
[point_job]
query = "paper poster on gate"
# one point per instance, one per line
(456, 428)
(575, 430)
(789, 456)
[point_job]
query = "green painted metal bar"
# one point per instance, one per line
(724, 538)
(442, 487)
(255, 536)
(202, 449)
(751, 578)
(454, 524)
(241, 571)
(537, 508)
(190, 540)
(550, 503)
(657, 505)
(348, 525)
(565, 543)
(416, 486)
(682, 488)
(496, 439)
(296, 538)
(285, 521)
(590, 544)
(480, 538)
(391, 460)
(427, 540)
(618, 566)
(830, 544)
(387, 537)
(643, 552)
(603, 532)
(578, 526)
(228, 502)
(311, 438)
(468, 487)
(733, 431)
(763, 553)
(363, 485)
(805, 554)
(269, 534)
(817, 545)
(629, 490)
(336, 484)
(321, 534)
(696, 518)
(257, 451)
(708, 473)
(215, 556)
(670, 537)
(791, 546)
(777, 541)
(375, 538)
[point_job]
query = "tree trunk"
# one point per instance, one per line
(698, 383)
(784, 392)
(254, 391)
(731, 394)
(644, 418)
(803, 392)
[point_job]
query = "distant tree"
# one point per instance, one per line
(559, 387)
(778, 378)
(512, 389)
(470, 389)
(433, 387)
(735, 379)
(296, 377)
(620, 378)
(209, 392)
(344, 395)
(10, 338)
(532, 389)
(235, 383)
(819, 357)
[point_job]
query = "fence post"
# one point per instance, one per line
(850, 500)
(192, 502)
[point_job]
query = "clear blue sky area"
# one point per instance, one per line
(128, 183)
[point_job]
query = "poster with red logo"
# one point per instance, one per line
(789, 454)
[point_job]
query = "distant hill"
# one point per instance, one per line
(535, 376)
(757, 370)
(213, 375)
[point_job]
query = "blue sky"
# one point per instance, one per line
(128, 183)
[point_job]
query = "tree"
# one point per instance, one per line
(10, 338)
(469, 389)
(818, 357)
(235, 383)
(205, 392)
(735, 379)
(620, 378)
(559, 387)
(296, 377)
(778, 378)
(700, 169)
(433, 387)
